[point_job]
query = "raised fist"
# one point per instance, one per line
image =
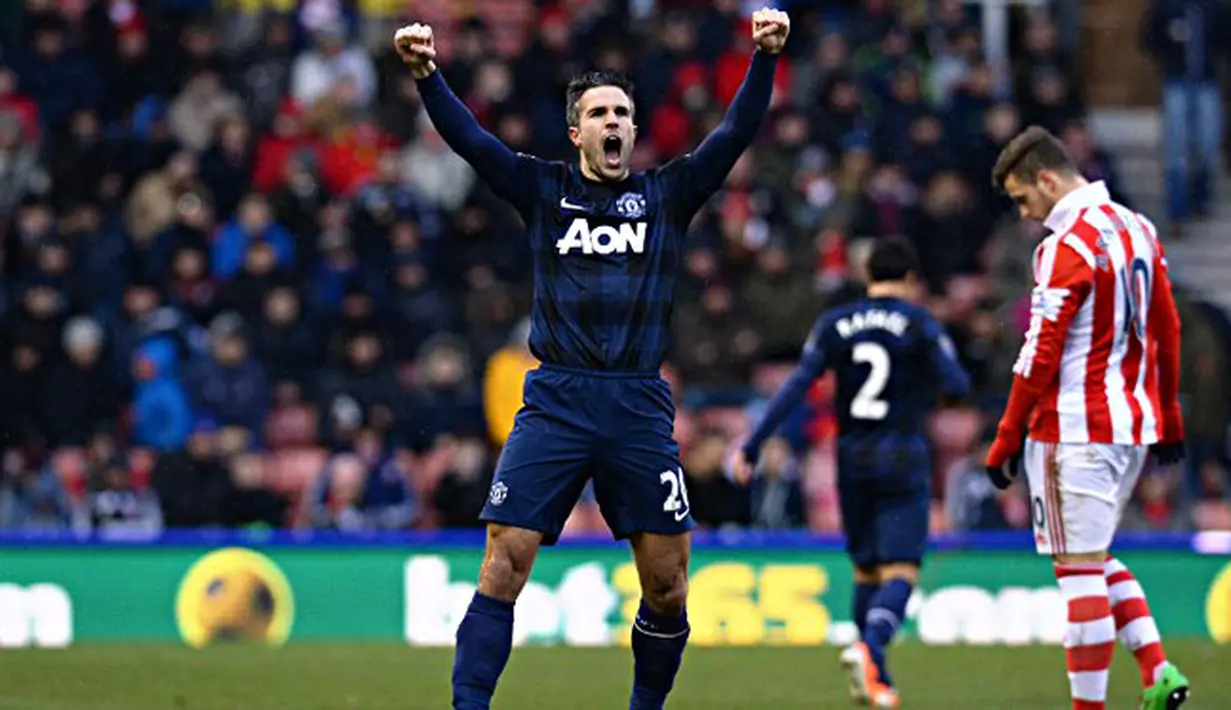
(770, 28)
(416, 47)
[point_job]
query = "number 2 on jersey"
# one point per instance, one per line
(867, 403)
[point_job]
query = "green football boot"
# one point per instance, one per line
(1168, 692)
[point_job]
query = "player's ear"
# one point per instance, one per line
(574, 135)
(914, 284)
(1048, 182)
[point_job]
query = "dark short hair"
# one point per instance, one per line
(892, 259)
(1033, 149)
(592, 80)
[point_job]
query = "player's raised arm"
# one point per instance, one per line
(707, 167)
(1063, 278)
(811, 366)
(504, 170)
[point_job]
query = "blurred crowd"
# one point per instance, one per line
(246, 283)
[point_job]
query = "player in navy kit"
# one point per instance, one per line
(891, 359)
(607, 245)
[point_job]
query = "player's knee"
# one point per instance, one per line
(866, 574)
(906, 571)
(666, 590)
(1079, 558)
(507, 561)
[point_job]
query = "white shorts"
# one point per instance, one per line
(1078, 493)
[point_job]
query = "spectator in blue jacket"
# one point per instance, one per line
(254, 223)
(162, 414)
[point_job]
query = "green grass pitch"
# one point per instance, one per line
(307, 676)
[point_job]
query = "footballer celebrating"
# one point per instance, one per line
(1095, 385)
(607, 245)
(891, 358)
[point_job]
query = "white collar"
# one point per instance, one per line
(1064, 215)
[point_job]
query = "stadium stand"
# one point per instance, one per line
(245, 283)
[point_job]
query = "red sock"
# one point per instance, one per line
(1134, 624)
(1091, 637)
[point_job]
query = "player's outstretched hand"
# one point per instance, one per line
(1168, 453)
(741, 468)
(417, 48)
(770, 28)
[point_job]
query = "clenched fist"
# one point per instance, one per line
(770, 29)
(417, 49)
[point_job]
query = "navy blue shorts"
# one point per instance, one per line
(885, 520)
(576, 426)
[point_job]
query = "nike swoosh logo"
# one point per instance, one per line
(565, 204)
(680, 515)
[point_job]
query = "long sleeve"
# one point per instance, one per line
(510, 174)
(810, 367)
(953, 378)
(1063, 282)
(1164, 325)
(705, 169)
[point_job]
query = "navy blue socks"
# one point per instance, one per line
(658, 648)
(484, 641)
(884, 617)
(485, 638)
(861, 601)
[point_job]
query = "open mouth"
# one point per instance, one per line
(613, 151)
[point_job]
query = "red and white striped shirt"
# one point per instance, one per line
(1101, 359)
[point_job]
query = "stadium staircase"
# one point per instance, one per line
(1201, 261)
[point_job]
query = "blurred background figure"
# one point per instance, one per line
(776, 497)
(363, 489)
(1190, 40)
(117, 506)
(503, 380)
(463, 488)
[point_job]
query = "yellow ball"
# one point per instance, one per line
(234, 594)
(236, 604)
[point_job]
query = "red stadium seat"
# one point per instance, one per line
(292, 471)
(685, 427)
(771, 376)
(141, 466)
(1212, 515)
(70, 466)
(427, 470)
(819, 473)
(293, 426)
(955, 433)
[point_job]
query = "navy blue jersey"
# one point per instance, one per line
(891, 359)
(606, 255)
